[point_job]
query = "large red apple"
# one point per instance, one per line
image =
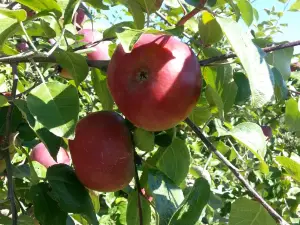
(157, 84)
(101, 50)
(102, 152)
(41, 154)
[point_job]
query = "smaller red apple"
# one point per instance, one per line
(65, 74)
(6, 94)
(79, 17)
(267, 131)
(41, 154)
(22, 46)
(101, 50)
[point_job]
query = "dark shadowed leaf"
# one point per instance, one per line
(137, 13)
(132, 213)
(69, 11)
(243, 92)
(249, 212)
(56, 106)
(167, 196)
(215, 102)
(281, 91)
(192, 206)
(98, 4)
(70, 194)
(175, 161)
(46, 210)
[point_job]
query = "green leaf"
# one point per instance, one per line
(7, 28)
(51, 141)
(249, 212)
(215, 101)
(167, 196)
(70, 10)
(56, 106)
(291, 166)
(143, 139)
(111, 31)
(292, 115)
(3, 101)
(45, 5)
(281, 60)
(38, 28)
(175, 161)
(243, 92)
(281, 91)
(128, 38)
(200, 115)
(74, 63)
(220, 78)
(19, 14)
(46, 210)
(16, 119)
(100, 86)
(246, 11)
(137, 13)
(295, 7)
(193, 205)
(252, 136)
(209, 29)
(22, 220)
(70, 194)
(252, 58)
(132, 213)
(97, 4)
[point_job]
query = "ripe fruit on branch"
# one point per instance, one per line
(157, 84)
(101, 50)
(79, 17)
(102, 152)
(22, 46)
(41, 154)
(267, 131)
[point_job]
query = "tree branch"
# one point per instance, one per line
(7, 158)
(210, 146)
(192, 13)
(206, 62)
(138, 187)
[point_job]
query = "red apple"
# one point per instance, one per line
(52, 41)
(102, 152)
(80, 17)
(101, 50)
(6, 94)
(65, 74)
(22, 46)
(41, 154)
(157, 84)
(267, 131)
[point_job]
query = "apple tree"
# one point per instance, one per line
(141, 112)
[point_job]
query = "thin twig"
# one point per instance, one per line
(138, 187)
(57, 43)
(210, 146)
(295, 92)
(211, 60)
(192, 13)
(10, 183)
(28, 38)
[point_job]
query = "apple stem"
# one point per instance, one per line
(233, 169)
(192, 13)
(7, 158)
(138, 187)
